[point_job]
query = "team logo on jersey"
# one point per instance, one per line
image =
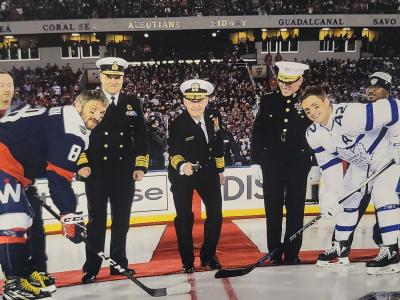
(129, 107)
(10, 193)
(357, 155)
(83, 129)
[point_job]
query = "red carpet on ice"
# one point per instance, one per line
(234, 249)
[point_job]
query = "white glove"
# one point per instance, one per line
(257, 172)
(394, 143)
(329, 204)
(315, 174)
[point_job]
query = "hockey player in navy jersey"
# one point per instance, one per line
(40, 143)
(364, 135)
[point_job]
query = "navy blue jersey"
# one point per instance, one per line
(39, 143)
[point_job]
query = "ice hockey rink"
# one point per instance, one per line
(273, 282)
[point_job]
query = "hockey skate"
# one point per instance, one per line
(334, 256)
(43, 281)
(20, 288)
(386, 262)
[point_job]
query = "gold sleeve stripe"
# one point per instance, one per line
(142, 164)
(82, 159)
(142, 161)
(142, 158)
(220, 162)
(175, 160)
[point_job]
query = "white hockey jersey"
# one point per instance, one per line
(357, 133)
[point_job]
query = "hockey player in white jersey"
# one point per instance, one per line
(367, 136)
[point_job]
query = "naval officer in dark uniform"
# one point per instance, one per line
(196, 161)
(116, 158)
(281, 157)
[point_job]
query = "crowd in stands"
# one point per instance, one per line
(16, 10)
(48, 86)
(157, 87)
(344, 80)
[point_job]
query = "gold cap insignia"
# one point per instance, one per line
(114, 66)
(195, 87)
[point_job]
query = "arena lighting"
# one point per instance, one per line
(263, 30)
(346, 28)
(75, 34)
(283, 29)
(214, 34)
(8, 36)
(365, 29)
(146, 35)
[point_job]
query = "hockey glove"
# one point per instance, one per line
(73, 227)
(329, 204)
(394, 144)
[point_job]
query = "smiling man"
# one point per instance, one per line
(116, 158)
(367, 136)
(40, 143)
(196, 155)
(378, 86)
(281, 157)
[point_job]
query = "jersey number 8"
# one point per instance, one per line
(74, 152)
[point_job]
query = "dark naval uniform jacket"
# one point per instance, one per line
(117, 147)
(187, 143)
(279, 129)
(120, 138)
(279, 145)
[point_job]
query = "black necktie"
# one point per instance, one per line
(113, 101)
(201, 128)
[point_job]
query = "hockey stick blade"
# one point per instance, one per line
(177, 289)
(234, 272)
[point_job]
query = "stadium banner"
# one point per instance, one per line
(191, 23)
(153, 202)
(259, 71)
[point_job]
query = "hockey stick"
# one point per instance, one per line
(223, 273)
(178, 289)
